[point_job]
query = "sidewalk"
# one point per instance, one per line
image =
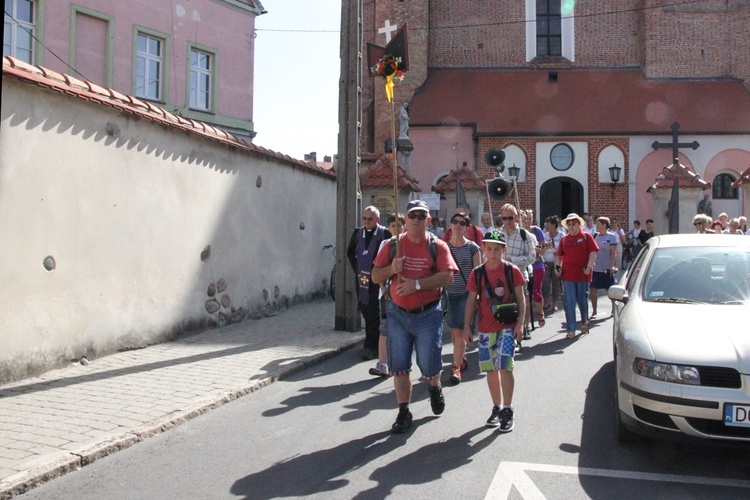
(62, 420)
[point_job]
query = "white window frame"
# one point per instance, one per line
(567, 25)
(12, 26)
(197, 77)
(147, 77)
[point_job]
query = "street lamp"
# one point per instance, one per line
(513, 172)
(614, 176)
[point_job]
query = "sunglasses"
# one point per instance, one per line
(368, 219)
(458, 222)
(508, 218)
(697, 223)
(418, 216)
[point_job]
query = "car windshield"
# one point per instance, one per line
(698, 274)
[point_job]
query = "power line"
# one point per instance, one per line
(31, 34)
(500, 23)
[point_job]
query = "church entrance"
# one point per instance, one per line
(560, 196)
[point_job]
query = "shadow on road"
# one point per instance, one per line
(600, 450)
(321, 471)
(428, 463)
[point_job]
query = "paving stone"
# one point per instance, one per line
(116, 400)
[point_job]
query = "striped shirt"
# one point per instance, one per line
(464, 257)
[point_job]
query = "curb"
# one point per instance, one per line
(49, 467)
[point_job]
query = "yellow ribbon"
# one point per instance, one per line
(389, 86)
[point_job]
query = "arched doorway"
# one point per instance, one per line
(560, 196)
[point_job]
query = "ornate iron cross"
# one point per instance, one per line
(675, 144)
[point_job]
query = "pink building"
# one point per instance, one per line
(192, 57)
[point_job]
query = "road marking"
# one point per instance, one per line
(511, 474)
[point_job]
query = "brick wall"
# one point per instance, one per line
(601, 200)
(477, 33)
(607, 40)
(686, 44)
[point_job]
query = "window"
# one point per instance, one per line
(548, 28)
(561, 157)
(722, 188)
(19, 29)
(148, 67)
(201, 67)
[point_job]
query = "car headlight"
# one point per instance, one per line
(677, 374)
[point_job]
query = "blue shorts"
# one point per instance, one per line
(422, 332)
(497, 350)
(456, 310)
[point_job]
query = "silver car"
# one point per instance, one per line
(682, 339)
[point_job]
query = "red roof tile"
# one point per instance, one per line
(380, 175)
(686, 177)
(743, 179)
(46, 78)
(468, 177)
(580, 102)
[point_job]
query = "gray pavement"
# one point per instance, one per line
(67, 418)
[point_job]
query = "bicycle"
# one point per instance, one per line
(332, 282)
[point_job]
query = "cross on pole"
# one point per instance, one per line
(673, 212)
(675, 144)
(388, 30)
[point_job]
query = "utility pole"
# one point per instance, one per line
(347, 169)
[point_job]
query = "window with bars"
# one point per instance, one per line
(548, 28)
(722, 189)
(201, 79)
(18, 30)
(148, 67)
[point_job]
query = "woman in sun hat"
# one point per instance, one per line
(574, 264)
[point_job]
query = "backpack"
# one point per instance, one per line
(431, 246)
(504, 313)
(479, 273)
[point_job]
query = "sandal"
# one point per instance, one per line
(584, 329)
(570, 335)
(542, 321)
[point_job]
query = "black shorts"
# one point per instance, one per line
(602, 281)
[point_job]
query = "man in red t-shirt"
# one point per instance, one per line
(414, 318)
(574, 264)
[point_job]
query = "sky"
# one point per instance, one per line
(296, 90)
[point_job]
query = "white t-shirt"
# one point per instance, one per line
(619, 234)
(550, 253)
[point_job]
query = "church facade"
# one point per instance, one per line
(569, 90)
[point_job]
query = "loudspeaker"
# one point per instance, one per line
(495, 158)
(498, 189)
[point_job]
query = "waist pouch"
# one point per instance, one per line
(505, 314)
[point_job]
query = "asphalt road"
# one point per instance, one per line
(324, 433)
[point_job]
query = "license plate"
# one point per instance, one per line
(737, 415)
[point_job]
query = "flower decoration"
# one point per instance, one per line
(387, 66)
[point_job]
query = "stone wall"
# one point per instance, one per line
(120, 232)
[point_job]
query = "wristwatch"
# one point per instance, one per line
(416, 285)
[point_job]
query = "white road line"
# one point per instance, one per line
(511, 474)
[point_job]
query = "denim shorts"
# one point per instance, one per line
(456, 310)
(422, 332)
(497, 350)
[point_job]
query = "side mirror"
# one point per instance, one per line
(618, 294)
